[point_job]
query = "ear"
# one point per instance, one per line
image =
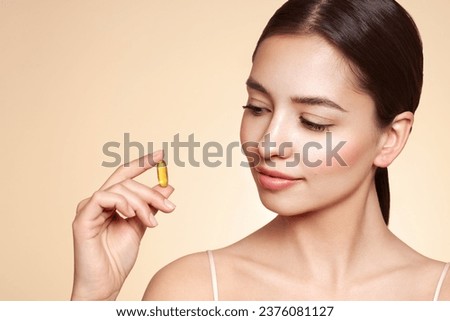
(394, 138)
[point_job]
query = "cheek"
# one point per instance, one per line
(340, 154)
(351, 153)
(253, 128)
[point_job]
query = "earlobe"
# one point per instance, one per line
(394, 139)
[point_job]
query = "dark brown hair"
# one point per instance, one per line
(382, 44)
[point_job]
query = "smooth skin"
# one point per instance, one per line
(106, 243)
(328, 241)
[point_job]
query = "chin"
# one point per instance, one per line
(283, 205)
(293, 203)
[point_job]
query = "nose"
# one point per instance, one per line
(277, 140)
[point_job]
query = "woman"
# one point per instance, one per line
(331, 101)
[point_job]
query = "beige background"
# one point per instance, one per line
(77, 74)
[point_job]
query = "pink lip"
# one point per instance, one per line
(274, 180)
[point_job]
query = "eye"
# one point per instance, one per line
(256, 111)
(314, 126)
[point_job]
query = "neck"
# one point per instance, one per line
(338, 241)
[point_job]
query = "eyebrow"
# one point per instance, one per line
(253, 84)
(306, 100)
(317, 101)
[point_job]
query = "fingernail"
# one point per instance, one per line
(169, 204)
(153, 220)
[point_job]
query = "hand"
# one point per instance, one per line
(108, 228)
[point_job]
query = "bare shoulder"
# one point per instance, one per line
(187, 278)
(444, 294)
(434, 272)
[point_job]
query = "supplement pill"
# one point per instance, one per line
(163, 178)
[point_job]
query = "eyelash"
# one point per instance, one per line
(257, 111)
(313, 126)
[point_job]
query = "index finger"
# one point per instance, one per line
(134, 168)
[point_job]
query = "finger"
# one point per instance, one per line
(140, 206)
(165, 191)
(151, 196)
(82, 204)
(104, 204)
(133, 169)
(136, 223)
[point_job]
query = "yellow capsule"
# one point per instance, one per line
(163, 178)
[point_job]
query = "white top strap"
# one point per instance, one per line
(212, 267)
(441, 281)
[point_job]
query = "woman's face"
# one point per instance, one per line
(309, 133)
